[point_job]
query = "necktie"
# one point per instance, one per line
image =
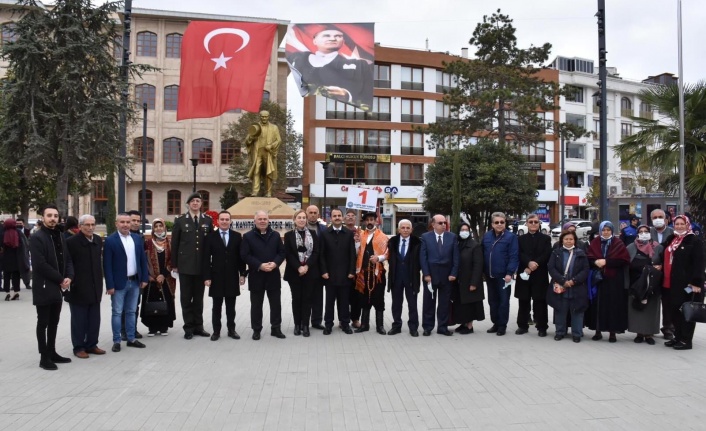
(439, 243)
(404, 246)
(223, 235)
(196, 221)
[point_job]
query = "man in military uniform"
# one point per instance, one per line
(188, 235)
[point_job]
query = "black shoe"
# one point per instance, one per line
(668, 336)
(460, 328)
(297, 330)
(682, 346)
(521, 331)
(58, 359)
(414, 333)
(327, 331)
(500, 332)
(277, 333)
(234, 335)
(598, 336)
(7, 298)
(138, 335)
(577, 339)
(188, 335)
(256, 335)
(542, 333)
(363, 328)
(558, 337)
(201, 333)
(463, 330)
(493, 329)
(123, 336)
(215, 336)
(116, 347)
(394, 331)
(612, 339)
(639, 339)
(381, 330)
(426, 333)
(318, 326)
(670, 343)
(347, 330)
(135, 343)
(29, 287)
(447, 333)
(650, 341)
(46, 364)
(305, 331)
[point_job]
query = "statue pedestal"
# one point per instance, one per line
(243, 214)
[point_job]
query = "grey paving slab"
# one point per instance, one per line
(347, 382)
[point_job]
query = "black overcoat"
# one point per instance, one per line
(46, 273)
(470, 271)
(223, 265)
(338, 256)
(291, 271)
(412, 256)
(687, 267)
(259, 248)
(533, 247)
(87, 284)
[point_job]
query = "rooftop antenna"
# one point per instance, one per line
(427, 44)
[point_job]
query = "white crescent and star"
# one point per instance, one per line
(222, 60)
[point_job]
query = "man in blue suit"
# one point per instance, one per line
(125, 269)
(439, 258)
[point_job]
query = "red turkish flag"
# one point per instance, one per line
(223, 67)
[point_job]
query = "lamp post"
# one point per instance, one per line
(563, 179)
(682, 174)
(124, 78)
(194, 163)
(143, 213)
(324, 165)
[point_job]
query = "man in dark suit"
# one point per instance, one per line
(439, 260)
(404, 280)
(125, 269)
(188, 235)
(263, 251)
(338, 270)
(84, 298)
(223, 273)
(532, 275)
(317, 290)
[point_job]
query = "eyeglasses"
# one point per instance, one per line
(441, 222)
(532, 222)
(498, 222)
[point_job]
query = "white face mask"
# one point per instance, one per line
(524, 276)
(569, 248)
(464, 234)
(658, 222)
(645, 236)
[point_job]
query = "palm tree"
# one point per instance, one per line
(656, 145)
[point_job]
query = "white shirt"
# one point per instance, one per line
(381, 258)
(129, 246)
(440, 237)
(227, 237)
(406, 246)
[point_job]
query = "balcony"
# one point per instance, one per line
(404, 182)
(412, 151)
(378, 116)
(406, 85)
(408, 118)
(596, 164)
(626, 112)
(358, 149)
(367, 181)
(647, 115)
(382, 83)
(345, 115)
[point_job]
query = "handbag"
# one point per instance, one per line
(694, 311)
(154, 308)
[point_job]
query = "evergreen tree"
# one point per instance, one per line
(229, 198)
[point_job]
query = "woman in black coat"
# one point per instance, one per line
(568, 269)
(13, 254)
(467, 295)
(683, 270)
(301, 250)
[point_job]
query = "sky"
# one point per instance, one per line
(642, 35)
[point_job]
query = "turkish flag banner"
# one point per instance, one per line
(223, 67)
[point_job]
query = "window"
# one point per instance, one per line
(173, 150)
(145, 93)
(173, 45)
(230, 149)
(171, 97)
(535, 152)
(626, 184)
(146, 44)
(265, 96)
(412, 174)
(173, 202)
(645, 110)
(381, 75)
(359, 172)
(99, 192)
(574, 179)
(541, 180)
(342, 111)
(577, 120)
(202, 149)
(148, 201)
(8, 33)
(443, 111)
(597, 105)
(412, 111)
(380, 110)
(596, 159)
(358, 141)
(444, 82)
(412, 78)
(574, 93)
(412, 144)
(137, 149)
(626, 107)
(574, 150)
(625, 129)
(205, 198)
(118, 49)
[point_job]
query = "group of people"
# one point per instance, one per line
(346, 269)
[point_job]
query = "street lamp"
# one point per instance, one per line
(194, 163)
(323, 209)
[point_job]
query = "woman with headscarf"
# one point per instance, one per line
(645, 291)
(609, 308)
(683, 277)
(467, 295)
(14, 259)
(162, 284)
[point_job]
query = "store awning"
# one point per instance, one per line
(410, 208)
